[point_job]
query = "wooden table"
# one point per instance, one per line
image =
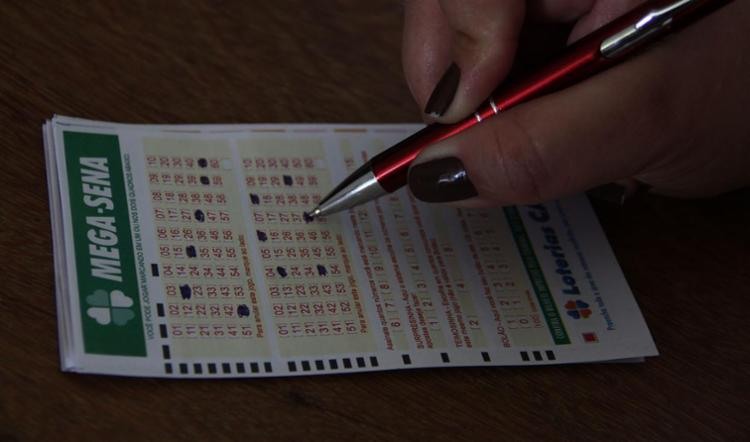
(304, 61)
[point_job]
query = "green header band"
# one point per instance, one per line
(108, 288)
(534, 270)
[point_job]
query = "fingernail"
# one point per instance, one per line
(441, 181)
(619, 193)
(611, 193)
(442, 95)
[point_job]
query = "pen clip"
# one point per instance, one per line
(653, 23)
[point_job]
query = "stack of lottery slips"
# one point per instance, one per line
(182, 251)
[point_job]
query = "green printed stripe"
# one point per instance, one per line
(536, 275)
(107, 285)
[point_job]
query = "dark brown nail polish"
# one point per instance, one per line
(442, 95)
(611, 193)
(441, 181)
(619, 194)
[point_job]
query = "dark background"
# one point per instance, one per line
(330, 61)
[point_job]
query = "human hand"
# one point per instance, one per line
(671, 117)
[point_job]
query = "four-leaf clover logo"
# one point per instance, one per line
(106, 308)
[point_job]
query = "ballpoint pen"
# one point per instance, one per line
(387, 171)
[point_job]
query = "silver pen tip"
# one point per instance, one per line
(310, 216)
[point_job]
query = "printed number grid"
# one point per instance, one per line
(306, 269)
(204, 265)
(508, 294)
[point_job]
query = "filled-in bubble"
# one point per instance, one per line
(185, 291)
(243, 311)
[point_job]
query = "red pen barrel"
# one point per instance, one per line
(580, 61)
(391, 167)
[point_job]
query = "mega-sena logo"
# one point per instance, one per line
(577, 309)
(110, 307)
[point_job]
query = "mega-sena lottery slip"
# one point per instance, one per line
(183, 251)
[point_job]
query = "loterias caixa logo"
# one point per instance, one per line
(578, 309)
(108, 293)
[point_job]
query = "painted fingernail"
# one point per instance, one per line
(611, 193)
(441, 181)
(619, 193)
(442, 95)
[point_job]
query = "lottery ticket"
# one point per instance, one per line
(182, 251)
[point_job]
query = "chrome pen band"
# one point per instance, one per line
(495, 110)
(494, 106)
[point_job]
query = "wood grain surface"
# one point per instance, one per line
(330, 61)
